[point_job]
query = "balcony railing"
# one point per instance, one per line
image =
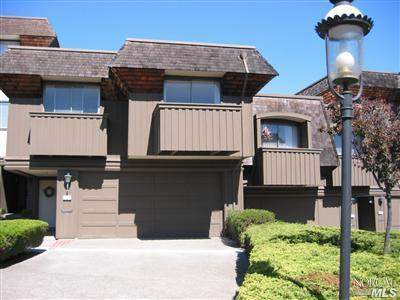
(199, 128)
(279, 166)
(359, 177)
(68, 134)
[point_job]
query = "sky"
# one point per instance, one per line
(282, 30)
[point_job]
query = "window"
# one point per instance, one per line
(337, 139)
(3, 115)
(191, 91)
(280, 134)
(72, 98)
(5, 44)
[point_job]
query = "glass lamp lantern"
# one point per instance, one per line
(343, 30)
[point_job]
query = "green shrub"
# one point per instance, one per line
(256, 286)
(18, 235)
(299, 233)
(238, 221)
(314, 268)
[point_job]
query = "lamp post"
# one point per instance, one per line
(343, 30)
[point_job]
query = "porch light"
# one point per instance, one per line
(343, 30)
(67, 180)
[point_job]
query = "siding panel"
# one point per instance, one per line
(68, 134)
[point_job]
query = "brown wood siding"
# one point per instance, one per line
(359, 177)
(289, 166)
(139, 127)
(68, 134)
(203, 128)
(19, 126)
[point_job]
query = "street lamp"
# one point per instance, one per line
(343, 30)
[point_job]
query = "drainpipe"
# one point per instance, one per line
(243, 57)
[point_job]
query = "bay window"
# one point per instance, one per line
(191, 91)
(71, 98)
(280, 134)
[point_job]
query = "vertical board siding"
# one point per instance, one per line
(291, 167)
(199, 128)
(359, 177)
(68, 134)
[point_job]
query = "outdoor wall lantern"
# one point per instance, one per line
(67, 181)
(343, 30)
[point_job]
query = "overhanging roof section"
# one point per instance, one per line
(385, 80)
(25, 26)
(56, 62)
(192, 57)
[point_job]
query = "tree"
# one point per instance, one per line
(376, 126)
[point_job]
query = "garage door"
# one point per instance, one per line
(150, 205)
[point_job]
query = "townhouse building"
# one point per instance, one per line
(15, 31)
(162, 139)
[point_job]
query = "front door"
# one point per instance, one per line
(366, 213)
(47, 201)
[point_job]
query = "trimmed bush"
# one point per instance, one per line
(314, 268)
(297, 261)
(17, 235)
(239, 220)
(299, 233)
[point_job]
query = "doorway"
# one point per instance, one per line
(47, 202)
(366, 213)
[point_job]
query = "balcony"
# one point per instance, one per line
(281, 166)
(359, 177)
(192, 130)
(198, 128)
(67, 134)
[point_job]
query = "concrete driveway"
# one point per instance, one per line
(127, 269)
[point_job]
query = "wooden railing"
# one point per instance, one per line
(198, 128)
(68, 134)
(279, 166)
(359, 177)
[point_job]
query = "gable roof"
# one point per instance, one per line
(370, 78)
(185, 56)
(25, 26)
(46, 61)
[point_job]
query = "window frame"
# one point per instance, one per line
(216, 82)
(304, 123)
(281, 122)
(71, 85)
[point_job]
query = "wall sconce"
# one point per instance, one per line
(67, 181)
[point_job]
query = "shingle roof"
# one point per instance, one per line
(370, 78)
(56, 62)
(25, 26)
(182, 56)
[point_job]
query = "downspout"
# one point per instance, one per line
(243, 57)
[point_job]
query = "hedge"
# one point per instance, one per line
(298, 233)
(297, 261)
(238, 221)
(312, 268)
(17, 235)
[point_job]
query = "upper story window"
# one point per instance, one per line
(5, 44)
(280, 134)
(191, 91)
(3, 110)
(337, 139)
(72, 98)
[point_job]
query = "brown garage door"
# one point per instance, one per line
(151, 205)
